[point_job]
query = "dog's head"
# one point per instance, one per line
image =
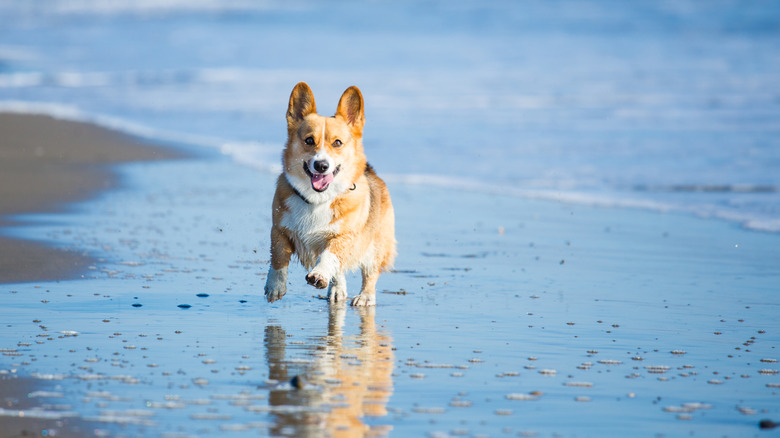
(324, 155)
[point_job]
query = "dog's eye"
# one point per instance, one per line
(337, 143)
(309, 141)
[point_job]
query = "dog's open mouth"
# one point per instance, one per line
(320, 181)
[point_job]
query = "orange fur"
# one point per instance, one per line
(347, 225)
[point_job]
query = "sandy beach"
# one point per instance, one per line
(504, 317)
(46, 165)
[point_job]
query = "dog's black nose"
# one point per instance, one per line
(321, 166)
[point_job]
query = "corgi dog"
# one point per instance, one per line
(330, 208)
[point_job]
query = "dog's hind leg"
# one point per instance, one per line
(337, 292)
(367, 296)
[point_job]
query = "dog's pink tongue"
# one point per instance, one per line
(321, 182)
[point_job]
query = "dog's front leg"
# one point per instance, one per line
(338, 289)
(328, 266)
(281, 251)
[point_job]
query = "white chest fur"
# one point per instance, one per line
(311, 226)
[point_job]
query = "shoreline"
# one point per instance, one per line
(47, 164)
(574, 311)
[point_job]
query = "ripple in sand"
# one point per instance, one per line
(744, 410)
(579, 384)
(165, 405)
(429, 410)
(211, 417)
(521, 397)
(37, 413)
(688, 407)
(460, 403)
(47, 376)
(45, 394)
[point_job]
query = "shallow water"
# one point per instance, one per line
(536, 319)
(507, 315)
(671, 106)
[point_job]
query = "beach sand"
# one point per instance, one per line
(47, 164)
(503, 317)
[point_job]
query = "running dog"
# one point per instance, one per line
(330, 208)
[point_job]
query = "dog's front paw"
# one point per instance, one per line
(276, 284)
(363, 300)
(317, 280)
(274, 293)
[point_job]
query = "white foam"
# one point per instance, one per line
(266, 157)
(72, 113)
(748, 220)
(145, 7)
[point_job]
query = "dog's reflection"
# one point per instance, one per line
(337, 380)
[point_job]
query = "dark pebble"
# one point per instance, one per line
(137, 304)
(184, 306)
(242, 301)
(298, 382)
(202, 295)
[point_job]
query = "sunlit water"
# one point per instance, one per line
(506, 315)
(538, 319)
(672, 106)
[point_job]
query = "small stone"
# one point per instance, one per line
(298, 382)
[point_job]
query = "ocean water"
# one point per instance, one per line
(506, 315)
(666, 105)
(538, 320)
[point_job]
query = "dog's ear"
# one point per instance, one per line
(301, 103)
(351, 109)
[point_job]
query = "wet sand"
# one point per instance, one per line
(503, 317)
(45, 165)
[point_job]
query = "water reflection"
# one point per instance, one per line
(344, 378)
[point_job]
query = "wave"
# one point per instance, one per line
(72, 113)
(266, 157)
(142, 7)
(709, 188)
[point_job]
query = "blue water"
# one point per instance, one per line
(663, 105)
(538, 319)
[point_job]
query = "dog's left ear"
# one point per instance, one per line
(351, 109)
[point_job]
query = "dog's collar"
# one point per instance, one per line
(300, 195)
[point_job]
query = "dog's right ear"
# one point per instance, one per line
(301, 103)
